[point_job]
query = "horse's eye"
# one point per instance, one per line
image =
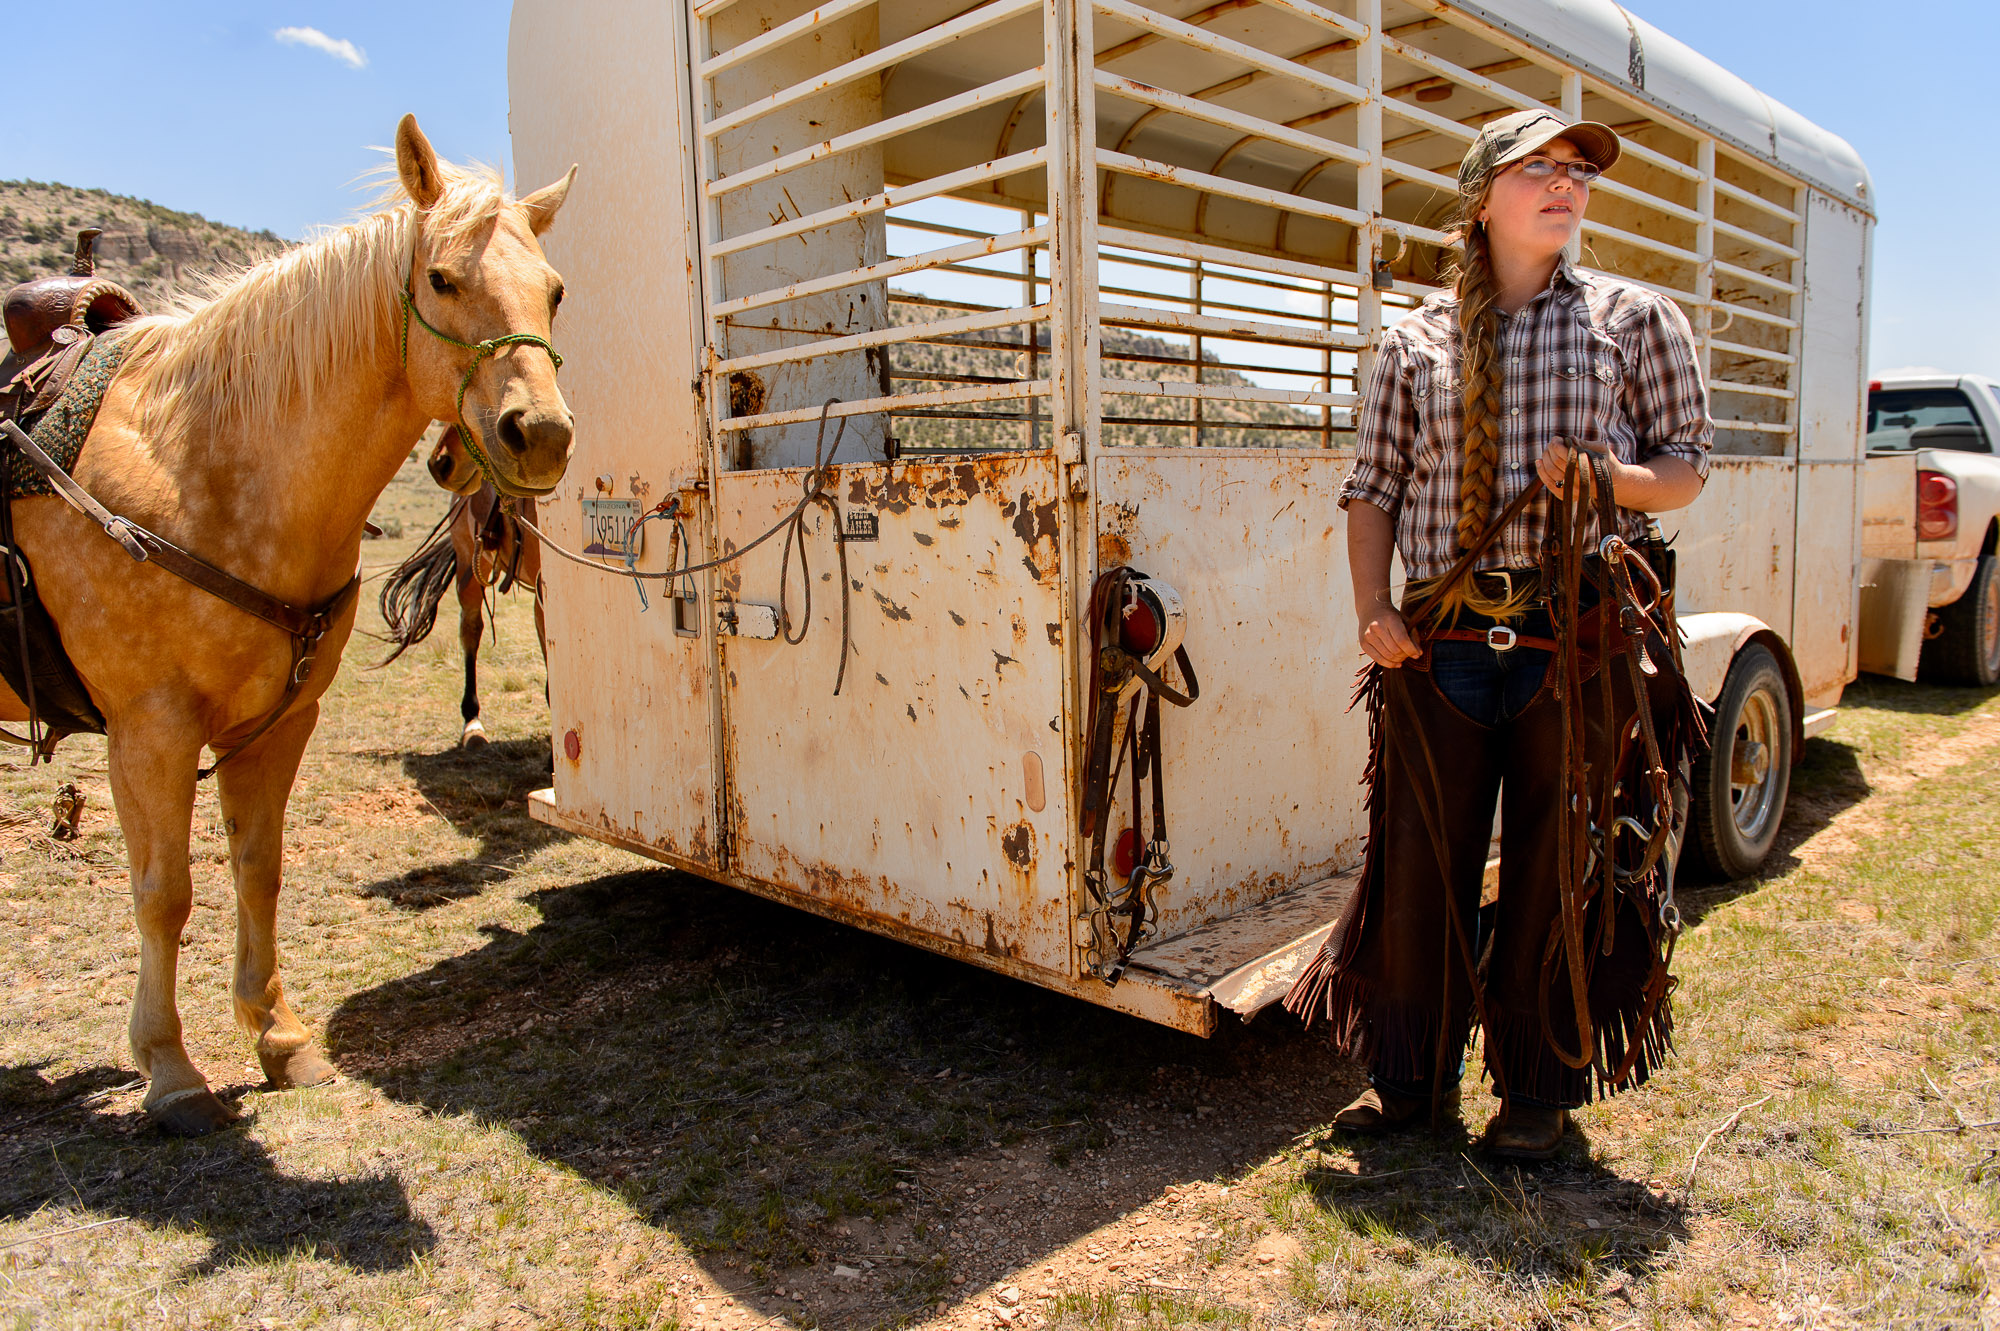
(555, 300)
(440, 283)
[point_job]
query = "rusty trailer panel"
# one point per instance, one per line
(1263, 790)
(951, 710)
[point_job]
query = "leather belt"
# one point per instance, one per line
(1500, 638)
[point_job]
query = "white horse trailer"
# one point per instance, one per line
(1094, 284)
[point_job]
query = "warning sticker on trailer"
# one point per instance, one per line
(606, 524)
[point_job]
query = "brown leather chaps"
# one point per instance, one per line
(1407, 969)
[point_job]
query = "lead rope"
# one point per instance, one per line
(815, 493)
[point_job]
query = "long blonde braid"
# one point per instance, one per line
(1479, 366)
(1480, 369)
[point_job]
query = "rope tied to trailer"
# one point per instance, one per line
(793, 524)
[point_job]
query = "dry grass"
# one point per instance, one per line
(583, 1092)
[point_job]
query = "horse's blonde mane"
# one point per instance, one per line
(247, 345)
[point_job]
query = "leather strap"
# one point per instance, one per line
(305, 627)
(1479, 635)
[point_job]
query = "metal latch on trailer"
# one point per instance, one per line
(746, 619)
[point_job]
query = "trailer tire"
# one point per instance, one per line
(1741, 783)
(1967, 651)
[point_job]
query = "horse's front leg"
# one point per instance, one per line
(254, 787)
(152, 769)
(471, 627)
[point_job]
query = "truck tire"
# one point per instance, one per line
(1967, 650)
(1741, 783)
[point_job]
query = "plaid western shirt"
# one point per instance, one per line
(1591, 358)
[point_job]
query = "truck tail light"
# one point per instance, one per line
(1937, 506)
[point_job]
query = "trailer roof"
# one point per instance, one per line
(1603, 38)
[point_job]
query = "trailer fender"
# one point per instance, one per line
(1710, 643)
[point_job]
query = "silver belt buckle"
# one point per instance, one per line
(1499, 644)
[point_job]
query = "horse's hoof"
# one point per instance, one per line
(474, 737)
(300, 1067)
(192, 1113)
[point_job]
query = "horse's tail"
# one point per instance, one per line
(416, 586)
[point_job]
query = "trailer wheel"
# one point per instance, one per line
(1967, 651)
(1741, 783)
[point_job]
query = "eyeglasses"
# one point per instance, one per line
(1541, 168)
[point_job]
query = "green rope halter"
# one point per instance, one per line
(480, 351)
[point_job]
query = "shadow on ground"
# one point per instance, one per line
(59, 1148)
(784, 1093)
(482, 793)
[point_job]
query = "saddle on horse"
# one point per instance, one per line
(52, 378)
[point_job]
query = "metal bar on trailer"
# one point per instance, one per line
(1761, 427)
(866, 406)
(1326, 18)
(1189, 178)
(1368, 190)
(1148, 259)
(1777, 284)
(1606, 185)
(1437, 180)
(1704, 244)
(931, 114)
(708, 9)
(1246, 330)
(1255, 126)
(1752, 238)
(829, 12)
(1297, 397)
(971, 323)
(1460, 75)
(1231, 306)
(1758, 201)
(976, 20)
(1760, 316)
(1416, 115)
(1204, 40)
(1217, 254)
(914, 263)
(892, 198)
(1759, 353)
(1757, 390)
(1640, 242)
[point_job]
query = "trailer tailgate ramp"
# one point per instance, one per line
(1247, 961)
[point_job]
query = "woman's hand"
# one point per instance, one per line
(1654, 486)
(1386, 638)
(1553, 467)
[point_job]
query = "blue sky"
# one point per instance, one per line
(213, 114)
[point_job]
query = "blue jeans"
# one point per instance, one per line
(1487, 686)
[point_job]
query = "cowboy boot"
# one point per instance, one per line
(1525, 1132)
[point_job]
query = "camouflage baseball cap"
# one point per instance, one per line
(1512, 137)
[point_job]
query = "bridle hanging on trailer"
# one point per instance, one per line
(1135, 627)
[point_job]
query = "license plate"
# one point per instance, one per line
(606, 524)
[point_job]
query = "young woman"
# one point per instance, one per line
(1483, 393)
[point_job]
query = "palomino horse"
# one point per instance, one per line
(477, 547)
(255, 428)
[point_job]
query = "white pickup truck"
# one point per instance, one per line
(1930, 592)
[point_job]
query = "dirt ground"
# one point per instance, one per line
(578, 1090)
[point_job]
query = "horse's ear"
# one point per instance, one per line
(544, 202)
(417, 163)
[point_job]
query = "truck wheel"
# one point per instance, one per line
(1967, 651)
(1740, 784)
